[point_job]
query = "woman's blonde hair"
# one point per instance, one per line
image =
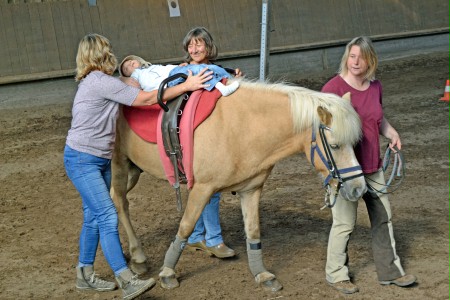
(94, 54)
(200, 34)
(142, 61)
(368, 54)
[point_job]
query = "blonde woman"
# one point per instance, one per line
(357, 76)
(87, 157)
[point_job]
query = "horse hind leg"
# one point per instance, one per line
(125, 177)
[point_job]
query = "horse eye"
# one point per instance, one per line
(335, 146)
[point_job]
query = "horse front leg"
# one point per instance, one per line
(250, 212)
(125, 175)
(196, 202)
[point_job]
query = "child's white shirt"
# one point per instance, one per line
(150, 78)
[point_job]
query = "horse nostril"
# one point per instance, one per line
(359, 192)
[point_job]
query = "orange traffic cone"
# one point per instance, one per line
(446, 92)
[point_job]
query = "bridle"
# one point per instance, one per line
(328, 161)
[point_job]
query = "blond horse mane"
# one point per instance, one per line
(346, 125)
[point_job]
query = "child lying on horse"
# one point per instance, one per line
(150, 76)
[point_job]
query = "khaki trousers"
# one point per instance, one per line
(344, 212)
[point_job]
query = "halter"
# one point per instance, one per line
(329, 162)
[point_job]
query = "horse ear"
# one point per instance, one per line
(324, 115)
(347, 96)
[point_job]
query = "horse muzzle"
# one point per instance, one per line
(353, 190)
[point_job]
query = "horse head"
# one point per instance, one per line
(337, 164)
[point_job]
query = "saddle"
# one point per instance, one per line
(170, 131)
(171, 140)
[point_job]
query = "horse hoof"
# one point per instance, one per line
(169, 282)
(272, 285)
(138, 268)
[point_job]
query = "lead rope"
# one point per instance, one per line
(398, 172)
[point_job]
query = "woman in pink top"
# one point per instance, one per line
(357, 76)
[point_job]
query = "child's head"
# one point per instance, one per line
(200, 35)
(94, 54)
(130, 63)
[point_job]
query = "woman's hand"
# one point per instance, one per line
(195, 82)
(238, 73)
(395, 142)
(130, 81)
(389, 132)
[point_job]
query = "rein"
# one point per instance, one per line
(398, 171)
(329, 162)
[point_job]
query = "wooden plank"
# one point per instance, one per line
(35, 46)
(72, 34)
(179, 27)
(186, 22)
(85, 15)
(429, 15)
(312, 26)
(158, 33)
(49, 39)
(251, 24)
(6, 67)
(20, 21)
(114, 19)
(138, 30)
(190, 14)
(96, 21)
(351, 20)
(230, 27)
(199, 15)
(284, 17)
(217, 26)
(345, 17)
(59, 34)
(383, 20)
(171, 28)
(79, 30)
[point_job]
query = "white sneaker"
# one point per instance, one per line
(132, 286)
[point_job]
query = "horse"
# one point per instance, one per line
(235, 150)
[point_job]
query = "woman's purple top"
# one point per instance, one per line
(368, 105)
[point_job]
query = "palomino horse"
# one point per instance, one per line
(235, 150)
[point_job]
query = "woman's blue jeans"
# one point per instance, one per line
(91, 176)
(208, 225)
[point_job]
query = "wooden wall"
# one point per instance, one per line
(39, 39)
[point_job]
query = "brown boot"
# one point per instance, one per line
(401, 281)
(346, 287)
(221, 251)
(197, 246)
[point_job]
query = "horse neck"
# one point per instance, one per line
(266, 115)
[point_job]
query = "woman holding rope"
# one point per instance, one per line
(357, 76)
